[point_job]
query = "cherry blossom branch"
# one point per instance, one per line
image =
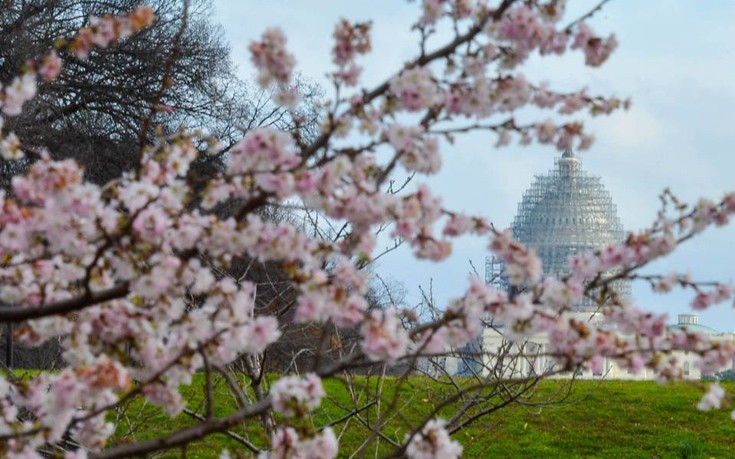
(238, 438)
(16, 314)
(166, 81)
(440, 53)
(184, 436)
(586, 16)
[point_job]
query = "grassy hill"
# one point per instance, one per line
(607, 419)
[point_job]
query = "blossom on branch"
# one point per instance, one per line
(433, 442)
(271, 58)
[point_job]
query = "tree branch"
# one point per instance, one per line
(14, 314)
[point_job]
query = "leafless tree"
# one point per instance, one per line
(96, 109)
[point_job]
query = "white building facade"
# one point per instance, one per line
(521, 360)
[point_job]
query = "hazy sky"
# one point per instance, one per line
(676, 61)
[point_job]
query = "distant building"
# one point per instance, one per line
(521, 360)
(563, 213)
(689, 323)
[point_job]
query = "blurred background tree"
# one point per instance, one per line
(93, 112)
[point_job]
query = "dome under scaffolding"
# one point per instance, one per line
(564, 213)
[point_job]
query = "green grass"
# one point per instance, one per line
(609, 419)
(613, 419)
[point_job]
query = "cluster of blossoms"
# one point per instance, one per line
(523, 267)
(530, 28)
(132, 277)
(21, 90)
(342, 300)
(433, 442)
(286, 444)
(720, 294)
(712, 399)
(384, 338)
(103, 31)
(417, 151)
(415, 89)
(468, 91)
(292, 394)
(55, 399)
(433, 10)
(596, 50)
(271, 58)
(349, 41)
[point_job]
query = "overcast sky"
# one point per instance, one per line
(676, 61)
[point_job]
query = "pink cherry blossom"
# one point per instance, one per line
(384, 336)
(595, 48)
(432, 11)
(51, 66)
(271, 58)
(415, 89)
(433, 442)
(712, 399)
(292, 394)
(21, 90)
(349, 41)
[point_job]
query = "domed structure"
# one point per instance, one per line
(689, 323)
(566, 212)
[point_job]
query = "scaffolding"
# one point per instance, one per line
(494, 273)
(564, 213)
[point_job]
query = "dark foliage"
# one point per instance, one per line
(94, 112)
